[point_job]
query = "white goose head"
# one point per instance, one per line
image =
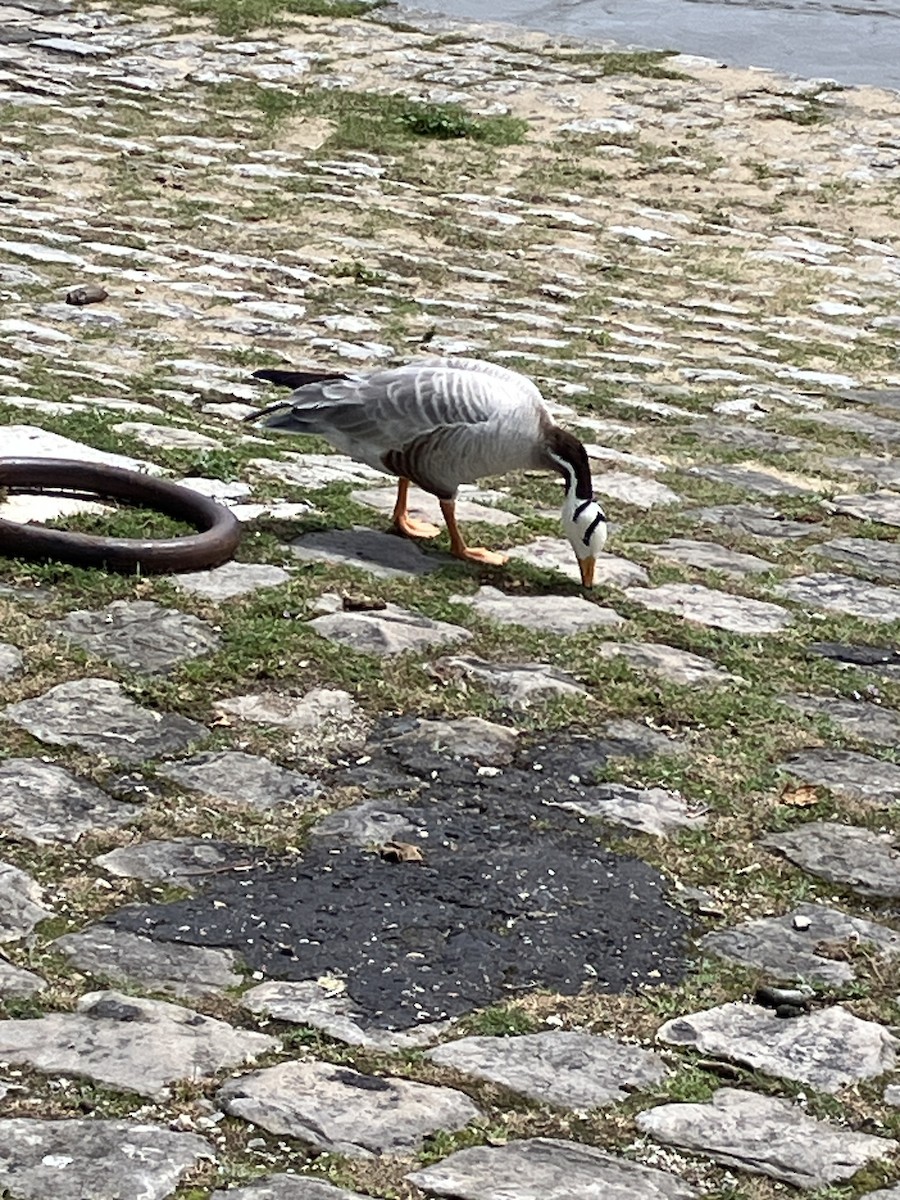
(583, 520)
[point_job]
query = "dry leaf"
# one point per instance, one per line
(801, 796)
(401, 852)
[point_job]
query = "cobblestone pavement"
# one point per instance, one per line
(350, 870)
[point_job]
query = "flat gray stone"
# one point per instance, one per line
(636, 739)
(860, 718)
(879, 429)
(424, 507)
(103, 1160)
(98, 716)
(708, 556)
(130, 1043)
(752, 479)
(288, 1187)
(16, 982)
(167, 437)
(754, 519)
(843, 594)
(233, 777)
(29, 441)
(707, 606)
(827, 1049)
(321, 722)
(567, 1068)
(546, 1169)
(764, 1136)
(883, 471)
(881, 507)
(139, 634)
(549, 614)
(183, 862)
(872, 557)
(790, 951)
(369, 823)
(169, 967)
(340, 1111)
(677, 666)
(635, 489)
(21, 903)
(648, 810)
(520, 684)
(314, 471)
(44, 803)
(892, 1193)
(489, 744)
(333, 1012)
(846, 772)
(385, 631)
(230, 580)
(866, 862)
(12, 662)
(384, 555)
(556, 554)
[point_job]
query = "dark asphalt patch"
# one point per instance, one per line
(513, 896)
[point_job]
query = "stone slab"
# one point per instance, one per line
(21, 903)
(546, 1169)
(16, 982)
(634, 489)
(677, 666)
(371, 822)
(555, 554)
(881, 507)
(794, 948)
(384, 555)
(483, 741)
(98, 716)
(287, 1187)
(96, 1158)
(232, 777)
(139, 634)
(230, 580)
(754, 479)
(323, 721)
(386, 631)
(331, 1011)
(562, 1067)
(182, 862)
(756, 520)
(843, 594)
(29, 441)
(314, 471)
(764, 1135)
(549, 614)
(130, 1043)
(520, 684)
(846, 772)
(45, 803)
(708, 556)
(167, 437)
(340, 1111)
(828, 1049)
(707, 606)
(872, 557)
(864, 861)
(12, 662)
(424, 507)
(860, 718)
(648, 810)
(171, 968)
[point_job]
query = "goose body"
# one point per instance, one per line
(439, 423)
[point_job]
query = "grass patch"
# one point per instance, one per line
(235, 17)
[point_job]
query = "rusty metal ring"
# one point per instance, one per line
(220, 530)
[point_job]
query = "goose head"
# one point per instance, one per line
(583, 520)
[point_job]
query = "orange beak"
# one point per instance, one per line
(587, 570)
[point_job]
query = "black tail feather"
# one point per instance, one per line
(295, 379)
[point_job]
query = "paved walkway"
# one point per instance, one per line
(291, 847)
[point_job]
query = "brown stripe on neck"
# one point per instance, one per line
(562, 446)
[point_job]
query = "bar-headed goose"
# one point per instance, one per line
(441, 422)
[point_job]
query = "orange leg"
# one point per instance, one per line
(458, 545)
(406, 524)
